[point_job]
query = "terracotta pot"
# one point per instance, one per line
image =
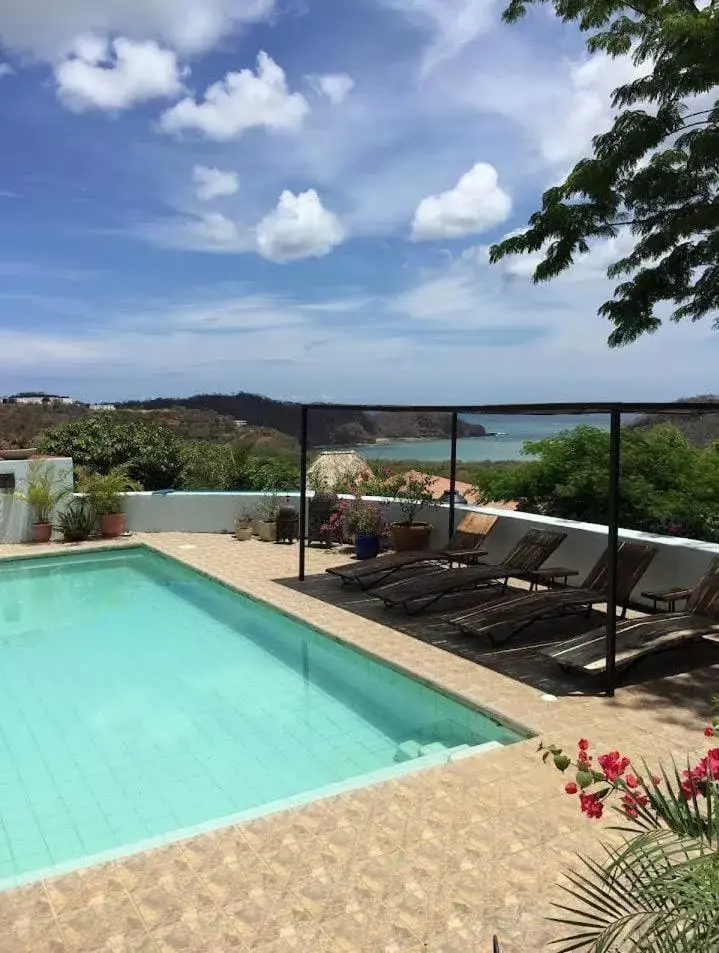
(267, 531)
(243, 533)
(410, 536)
(112, 524)
(41, 532)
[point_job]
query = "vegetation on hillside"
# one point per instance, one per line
(667, 484)
(652, 180)
(699, 429)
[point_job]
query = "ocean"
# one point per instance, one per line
(511, 435)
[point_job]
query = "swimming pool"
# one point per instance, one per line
(141, 701)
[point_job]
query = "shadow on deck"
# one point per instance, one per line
(520, 659)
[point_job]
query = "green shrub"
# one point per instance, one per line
(151, 454)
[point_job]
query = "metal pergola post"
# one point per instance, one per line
(453, 472)
(612, 544)
(303, 489)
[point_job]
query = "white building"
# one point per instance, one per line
(38, 399)
(103, 407)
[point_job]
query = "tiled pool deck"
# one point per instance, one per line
(435, 861)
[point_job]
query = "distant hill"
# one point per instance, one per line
(24, 425)
(327, 427)
(699, 429)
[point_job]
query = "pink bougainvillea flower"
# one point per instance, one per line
(709, 731)
(583, 744)
(591, 805)
(632, 781)
(571, 788)
(613, 764)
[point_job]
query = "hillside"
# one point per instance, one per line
(23, 425)
(327, 427)
(699, 429)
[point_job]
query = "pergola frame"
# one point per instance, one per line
(613, 410)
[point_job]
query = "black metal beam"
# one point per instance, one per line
(303, 489)
(612, 544)
(596, 407)
(453, 472)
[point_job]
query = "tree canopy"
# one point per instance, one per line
(655, 172)
(667, 485)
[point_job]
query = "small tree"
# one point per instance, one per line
(654, 174)
(413, 493)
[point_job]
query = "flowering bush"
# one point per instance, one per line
(355, 517)
(659, 891)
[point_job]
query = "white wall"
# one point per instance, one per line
(678, 561)
(16, 516)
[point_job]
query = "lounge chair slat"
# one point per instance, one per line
(637, 638)
(503, 619)
(526, 555)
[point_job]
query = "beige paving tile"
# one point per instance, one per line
(438, 860)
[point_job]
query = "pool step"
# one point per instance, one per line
(411, 750)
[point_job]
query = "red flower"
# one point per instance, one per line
(591, 805)
(709, 731)
(656, 780)
(570, 788)
(583, 744)
(632, 781)
(582, 757)
(613, 764)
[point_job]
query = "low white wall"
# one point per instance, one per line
(16, 516)
(679, 562)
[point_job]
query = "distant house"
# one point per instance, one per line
(103, 407)
(240, 423)
(38, 398)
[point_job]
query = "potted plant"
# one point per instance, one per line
(77, 521)
(243, 526)
(44, 491)
(267, 518)
(105, 494)
(413, 492)
(365, 523)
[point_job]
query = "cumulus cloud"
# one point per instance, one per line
(475, 203)
(99, 75)
(300, 227)
(240, 102)
(192, 26)
(214, 183)
(335, 86)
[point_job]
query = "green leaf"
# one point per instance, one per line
(561, 761)
(585, 779)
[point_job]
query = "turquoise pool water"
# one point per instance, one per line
(139, 699)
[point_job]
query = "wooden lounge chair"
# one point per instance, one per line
(637, 638)
(501, 620)
(424, 589)
(464, 547)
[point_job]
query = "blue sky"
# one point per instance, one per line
(295, 197)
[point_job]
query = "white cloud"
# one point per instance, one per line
(451, 24)
(240, 102)
(6, 70)
(49, 27)
(209, 232)
(98, 75)
(335, 86)
(300, 227)
(214, 183)
(475, 203)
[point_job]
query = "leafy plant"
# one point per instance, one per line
(151, 454)
(654, 175)
(244, 520)
(104, 491)
(658, 892)
(46, 489)
(414, 494)
(77, 521)
(667, 485)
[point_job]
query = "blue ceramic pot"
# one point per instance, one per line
(366, 547)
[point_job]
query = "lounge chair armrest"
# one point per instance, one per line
(549, 574)
(668, 597)
(464, 553)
